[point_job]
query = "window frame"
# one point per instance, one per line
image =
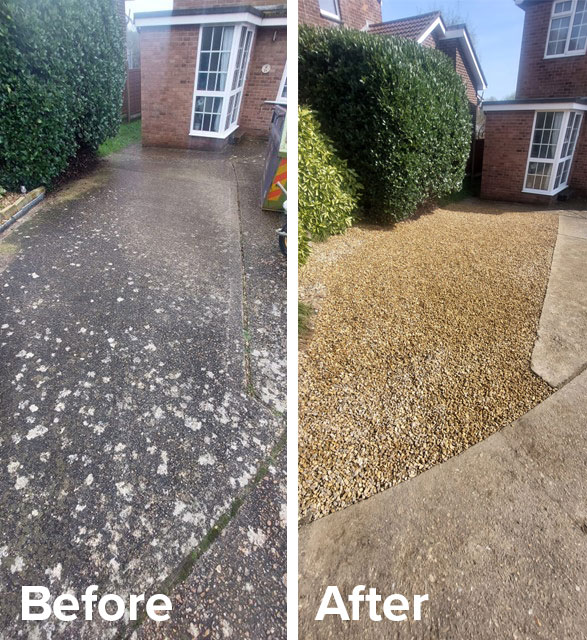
(280, 99)
(328, 14)
(227, 92)
(571, 14)
(558, 157)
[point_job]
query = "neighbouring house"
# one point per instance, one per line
(356, 14)
(536, 145)
(211, 71)
(428, 29)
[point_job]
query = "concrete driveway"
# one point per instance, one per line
(142, 379)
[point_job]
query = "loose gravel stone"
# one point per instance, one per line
(421, 345)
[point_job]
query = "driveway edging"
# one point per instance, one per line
(24, 207)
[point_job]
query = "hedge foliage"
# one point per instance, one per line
(61, 82)
(328, 191)
(397, 111)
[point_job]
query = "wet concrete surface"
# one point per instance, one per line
(129, 421)
(237, 589)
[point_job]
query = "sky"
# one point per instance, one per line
(136, 6)
(496, 27)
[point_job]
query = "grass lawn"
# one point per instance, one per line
(130, 132)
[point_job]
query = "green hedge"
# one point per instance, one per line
(395, 110)
(61, 83)
(328, 191)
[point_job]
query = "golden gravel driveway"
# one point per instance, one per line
(421, 346)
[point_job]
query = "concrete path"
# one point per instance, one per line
(496, 536)
(136, 399)
(560, 352)
(230, 592)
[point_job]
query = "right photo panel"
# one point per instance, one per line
(442, 319)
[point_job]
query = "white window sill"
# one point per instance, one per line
(569, 54)
(330, 16)
(214, 134)
(546, 193)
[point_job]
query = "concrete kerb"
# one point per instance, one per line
(560, 351)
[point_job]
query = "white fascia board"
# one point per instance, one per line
(437, 23)
(537, 106)
(210, 18)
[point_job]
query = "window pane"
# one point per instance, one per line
(571, 135)
(229, 112)
(236, 107)
(579, 30)
(330, 6)
(214, 58)
(217, 38)
(227, 38)
(563, 7)
(207, 39)
(557, 38)
(207, 113)
(566, 171)
(538, 175)
(546, 134)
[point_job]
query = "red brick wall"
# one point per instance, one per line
(354, 13)
(255, 115)
(578, 179)
(168, 67)
(553, 77)
(507, 140)
(452, 48)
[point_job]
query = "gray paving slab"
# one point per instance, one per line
(560, 352)
(126, 425)
(497, 537)
(238, 590)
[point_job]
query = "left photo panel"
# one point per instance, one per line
(143, 191)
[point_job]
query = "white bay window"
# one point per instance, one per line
(221, 69)
(567, 35)
(554, 138)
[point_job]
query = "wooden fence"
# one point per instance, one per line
(131, 102)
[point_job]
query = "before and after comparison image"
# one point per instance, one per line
(293, 319)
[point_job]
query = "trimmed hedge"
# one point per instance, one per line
(328, 191)
(62, 74)
(397, 111)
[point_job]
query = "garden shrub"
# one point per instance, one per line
(397, 111)
(328, 191)
(61, 81)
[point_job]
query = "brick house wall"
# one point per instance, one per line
(168, 68)
(354, 13)
(505, 156)
(269, 48)
(168, 71)
(551, 77)
(578, 177)
(452, 49)
(508, 133)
